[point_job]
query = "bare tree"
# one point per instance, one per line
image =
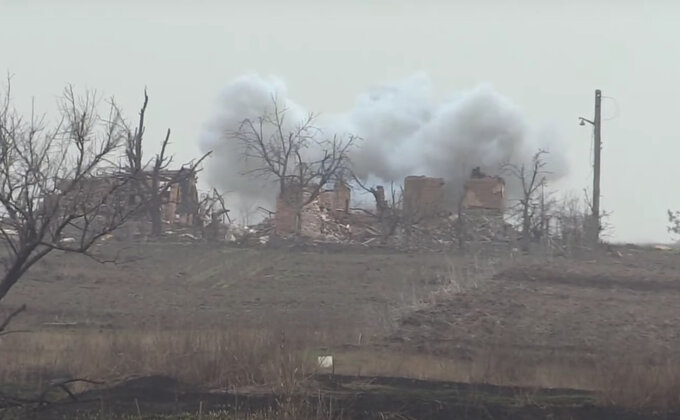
(299, 158)
(212, 205)
(378, 193)
(213, 209)
(542, 224)
(532, 179)
(572, 216)
(153, 179)
(388, 210)
(50, 195)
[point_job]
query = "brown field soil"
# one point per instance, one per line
(581, 310)
(196, 285)
(513, 321)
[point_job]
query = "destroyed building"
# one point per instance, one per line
(423, 197)
(179, 198)
(479, 217)
(482, 208)
(422, 220)
(316, 219)
(484, 193)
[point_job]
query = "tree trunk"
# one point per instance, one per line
(298, 222)
(526, 229)
(156, 222)
(9, 280)
(156, 217)
(213, 229)
(156, 204)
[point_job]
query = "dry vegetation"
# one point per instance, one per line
(234, 333)
(247, 360)
(254, 322)
(219, 359)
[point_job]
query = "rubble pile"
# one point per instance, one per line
(319, 223)
(439, 233)
(255, 235)
(420, 222)
(355, 228)
(480, 225)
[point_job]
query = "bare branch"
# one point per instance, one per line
(532, 177)
(153, 180)
(50, 189)
(298, 157)
(12, 315)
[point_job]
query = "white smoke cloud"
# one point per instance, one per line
(405, 131)
(249, 96)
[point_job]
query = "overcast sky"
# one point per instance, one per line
(547, 56)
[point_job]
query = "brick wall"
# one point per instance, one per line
(484, 193)
(336, 200)
(423, 197)
(328, 203)
(284, 219)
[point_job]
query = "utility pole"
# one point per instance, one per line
(596, 169)
(597, 146)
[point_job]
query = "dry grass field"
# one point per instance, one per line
(526, 334)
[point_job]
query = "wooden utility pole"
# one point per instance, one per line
(597, 146)
(597, 124)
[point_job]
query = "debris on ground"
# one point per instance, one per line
(361, 228)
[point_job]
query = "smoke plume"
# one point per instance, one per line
(405, 131)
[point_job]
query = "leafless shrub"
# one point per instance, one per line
(388, 210)
(213, 209)
(571, 224)
(532, 178)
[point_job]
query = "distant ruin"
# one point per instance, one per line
(179, 202)
(484, 192)
(423, 197)
(482, 208)
(421, 217)
(329, 205)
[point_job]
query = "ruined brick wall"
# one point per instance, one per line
(336, 200)
(169, 207)
(483, 203)
(423, 197)
(285, 218)
(342, 196)
(316, 221)
(484, 193)
(316, 216)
